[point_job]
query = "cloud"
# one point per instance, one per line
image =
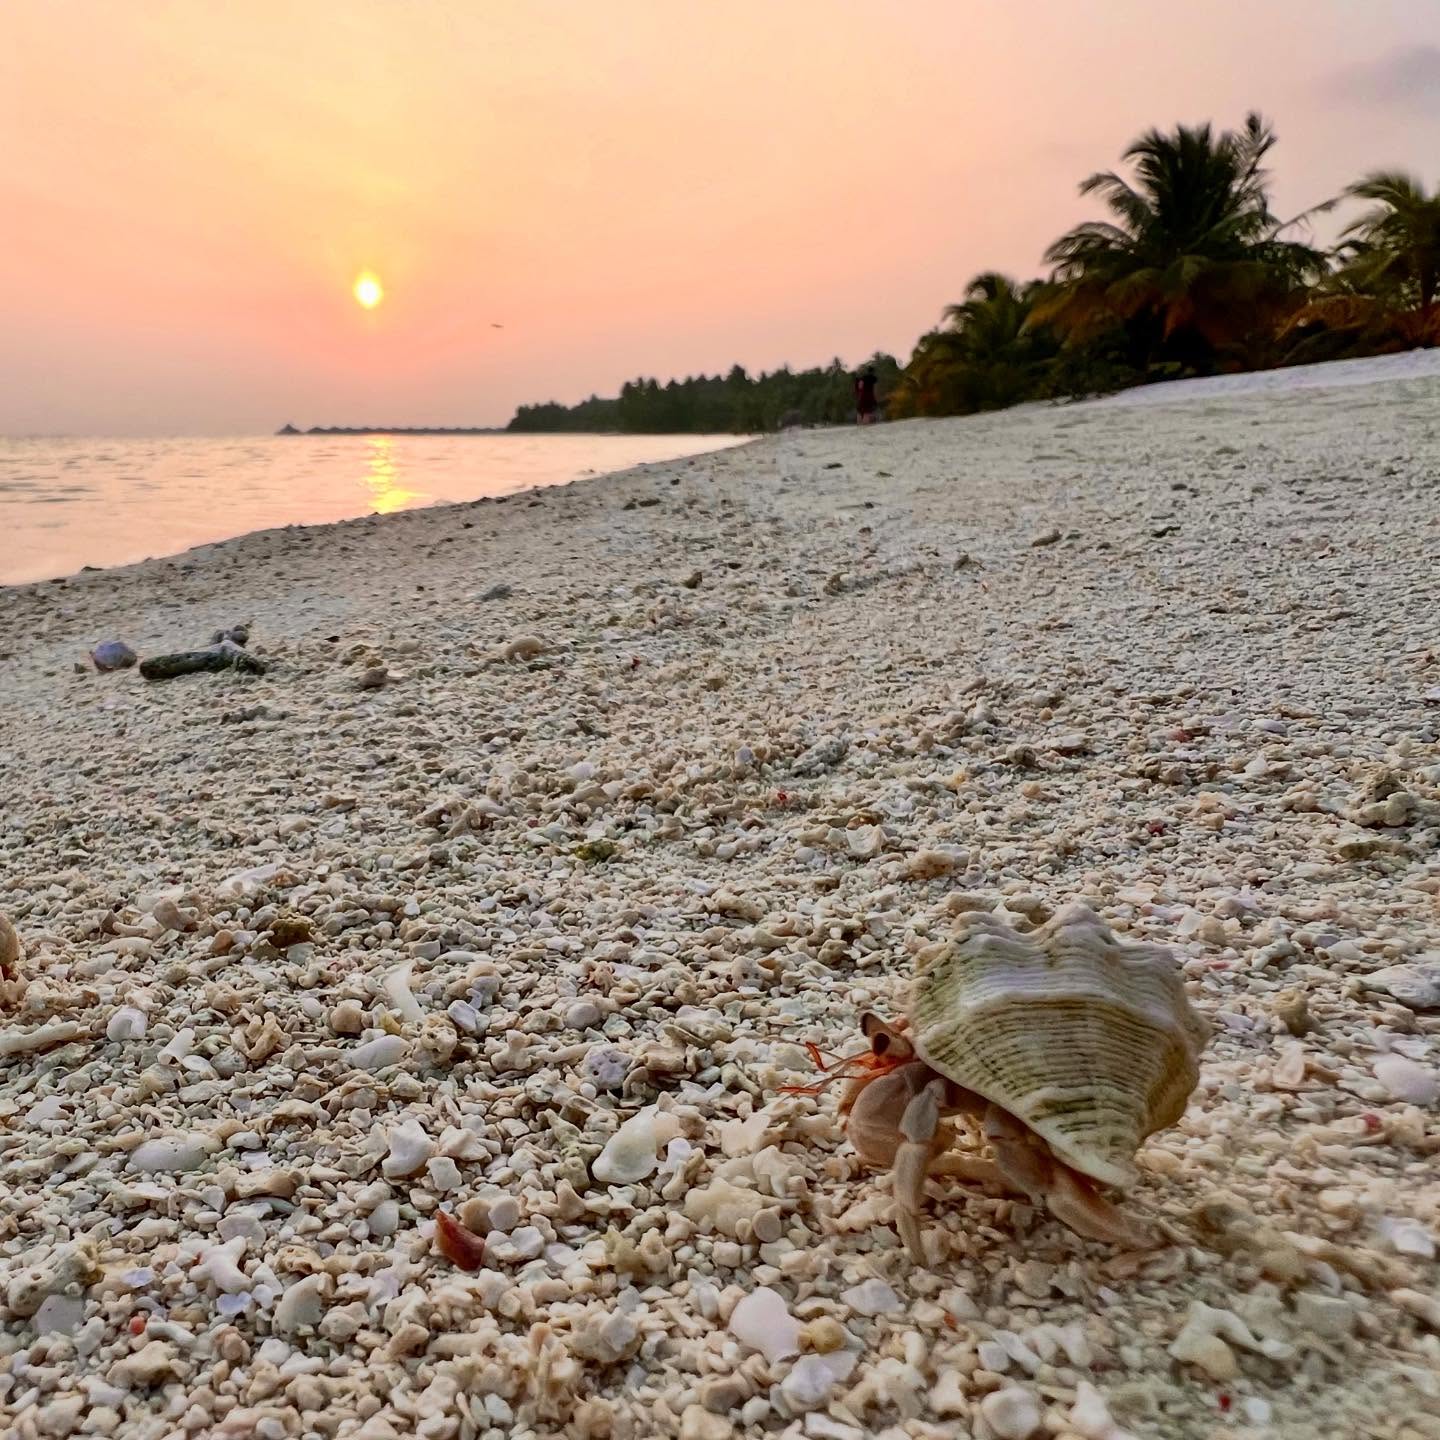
(1402, 77)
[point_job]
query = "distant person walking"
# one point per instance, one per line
(865, 405)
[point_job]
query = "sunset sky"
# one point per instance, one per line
(190, 188)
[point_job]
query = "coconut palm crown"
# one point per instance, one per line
(1193, 254)
(1397, 241)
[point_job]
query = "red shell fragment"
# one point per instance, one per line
(464, 1247)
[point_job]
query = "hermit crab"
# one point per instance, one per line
(1066, 1047)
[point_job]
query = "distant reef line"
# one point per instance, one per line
(393, 430)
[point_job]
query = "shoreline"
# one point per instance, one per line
(324, 524)
(257, 549)
(1413, 366)
(593, 805)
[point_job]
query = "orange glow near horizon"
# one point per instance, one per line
(368, 290)
(559, 198)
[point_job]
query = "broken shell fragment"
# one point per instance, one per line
(127, 1023)
(460, 1246)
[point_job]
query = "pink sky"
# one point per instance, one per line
(189, 187)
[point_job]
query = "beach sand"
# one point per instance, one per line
(1179, 659)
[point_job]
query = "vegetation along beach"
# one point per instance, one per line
(1186, 271)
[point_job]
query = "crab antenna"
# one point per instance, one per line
(839, 1070)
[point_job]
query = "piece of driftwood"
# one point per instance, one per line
(225, 656)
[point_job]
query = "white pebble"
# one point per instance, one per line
(871, 1297)
(1417, 985)
(527, 1242)
(629, 1154)
(1406, 1080)
(1013, 1413)
(384, 1219)
(813, 1378)
(767, 1227)
(52, 1107)
(1090, 1416)
(582, 1015)
(127, 1023)
(376, 1054)
(59, 1314)
(763, 1321)
(1408, 1237)
(993, 1356)
(172, 1155)
(504, 1213)
(444, 1173)
(465, 1016)
(302, 1306)
(410, 1148)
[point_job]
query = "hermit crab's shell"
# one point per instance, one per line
(1088, 1041)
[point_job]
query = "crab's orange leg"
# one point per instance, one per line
(818, 1057)
(840, 1068)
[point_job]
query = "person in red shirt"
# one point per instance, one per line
(865, 404)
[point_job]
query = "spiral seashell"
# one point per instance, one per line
(1089, 1042)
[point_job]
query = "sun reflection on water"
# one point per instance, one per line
(382, 478)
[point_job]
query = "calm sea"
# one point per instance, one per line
(65, 504)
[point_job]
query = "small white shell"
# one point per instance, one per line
(410, 1148)
(399, 994)
(126, 1023)
(376, 1054)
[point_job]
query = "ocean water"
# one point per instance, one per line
(66, 504)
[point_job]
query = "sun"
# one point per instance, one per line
(368, 290)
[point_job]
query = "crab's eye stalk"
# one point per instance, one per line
(884, 1039)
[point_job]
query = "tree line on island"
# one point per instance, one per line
(1190, 272)
(737, 403)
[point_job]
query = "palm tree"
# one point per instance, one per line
(1395, 245)
(987, 354)
(1348, 313)
(993, 313)
(1192, 262)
